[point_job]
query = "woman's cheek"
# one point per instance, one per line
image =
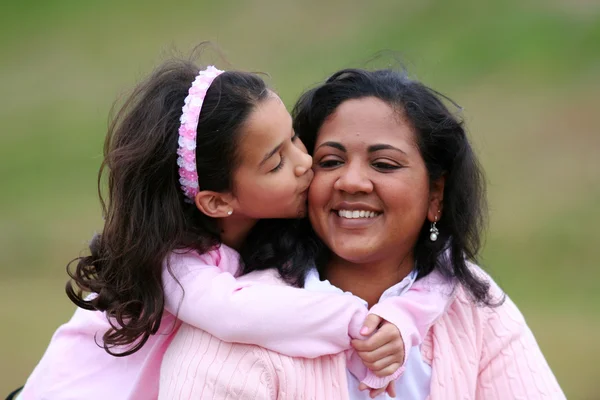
(313, 192)
(320, 187)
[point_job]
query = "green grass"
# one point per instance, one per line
(526, 74)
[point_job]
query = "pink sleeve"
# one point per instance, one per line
(413, 313)
(260, 309)
(512, 365)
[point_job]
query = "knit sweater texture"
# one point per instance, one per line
(475, 352)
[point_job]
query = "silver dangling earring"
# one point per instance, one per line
(229, 212)
(434, 231)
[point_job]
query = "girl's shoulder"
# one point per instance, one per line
(189, 258)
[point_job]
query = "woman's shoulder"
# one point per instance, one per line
(497, 342)
(491, 325)
(501, 306)
(479, 331)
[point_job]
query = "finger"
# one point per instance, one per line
(390, 349)
(376, 341)
(370, 325)
(389, 330)
(394, 348)
(365, 345)
(376, 392)
(382, 363)
(362, 387)
(387, 371)
(391, 389)
(385, 334)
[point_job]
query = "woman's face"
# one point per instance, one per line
(370, 194)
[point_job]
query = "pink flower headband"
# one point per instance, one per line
(188, 176)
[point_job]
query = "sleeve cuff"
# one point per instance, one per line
(375, 382)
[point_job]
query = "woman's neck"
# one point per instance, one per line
(368, 281)
(234, 230)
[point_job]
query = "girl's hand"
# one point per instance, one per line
(382, 352)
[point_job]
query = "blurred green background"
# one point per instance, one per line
(526, 73)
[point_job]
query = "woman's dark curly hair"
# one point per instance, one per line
(446, 150)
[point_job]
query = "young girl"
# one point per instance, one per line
(196, 174)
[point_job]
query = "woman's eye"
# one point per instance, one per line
(386, 166)
(330, 163)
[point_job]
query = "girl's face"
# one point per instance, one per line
(274, 174)
(370, 195)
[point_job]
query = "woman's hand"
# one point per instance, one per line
(382, 352)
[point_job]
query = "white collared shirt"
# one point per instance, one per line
(414, 383)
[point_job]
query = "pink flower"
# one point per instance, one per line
(189, 156)
(190, 192)
(187, 132)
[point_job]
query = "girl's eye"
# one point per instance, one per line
(386, 166)
(331, 163)
(279, 166)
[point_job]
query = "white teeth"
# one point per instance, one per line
(351, 214)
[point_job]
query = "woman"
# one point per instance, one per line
(397, 194)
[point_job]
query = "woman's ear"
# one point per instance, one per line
(214, 204)
(436, 199)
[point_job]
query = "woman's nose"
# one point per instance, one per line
(353, 179)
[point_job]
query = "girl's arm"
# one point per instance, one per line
(417, 309)
(259, 308)
(412, 313)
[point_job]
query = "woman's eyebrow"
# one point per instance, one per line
(376, 147)
(335, 145)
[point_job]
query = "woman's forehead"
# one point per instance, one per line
(364, 122)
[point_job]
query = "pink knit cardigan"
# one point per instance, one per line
(475, 353)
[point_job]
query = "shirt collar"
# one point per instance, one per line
(314, 283)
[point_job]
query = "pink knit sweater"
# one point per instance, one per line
(475, 353)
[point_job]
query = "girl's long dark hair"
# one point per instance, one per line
(146, 217)
(446, 150)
